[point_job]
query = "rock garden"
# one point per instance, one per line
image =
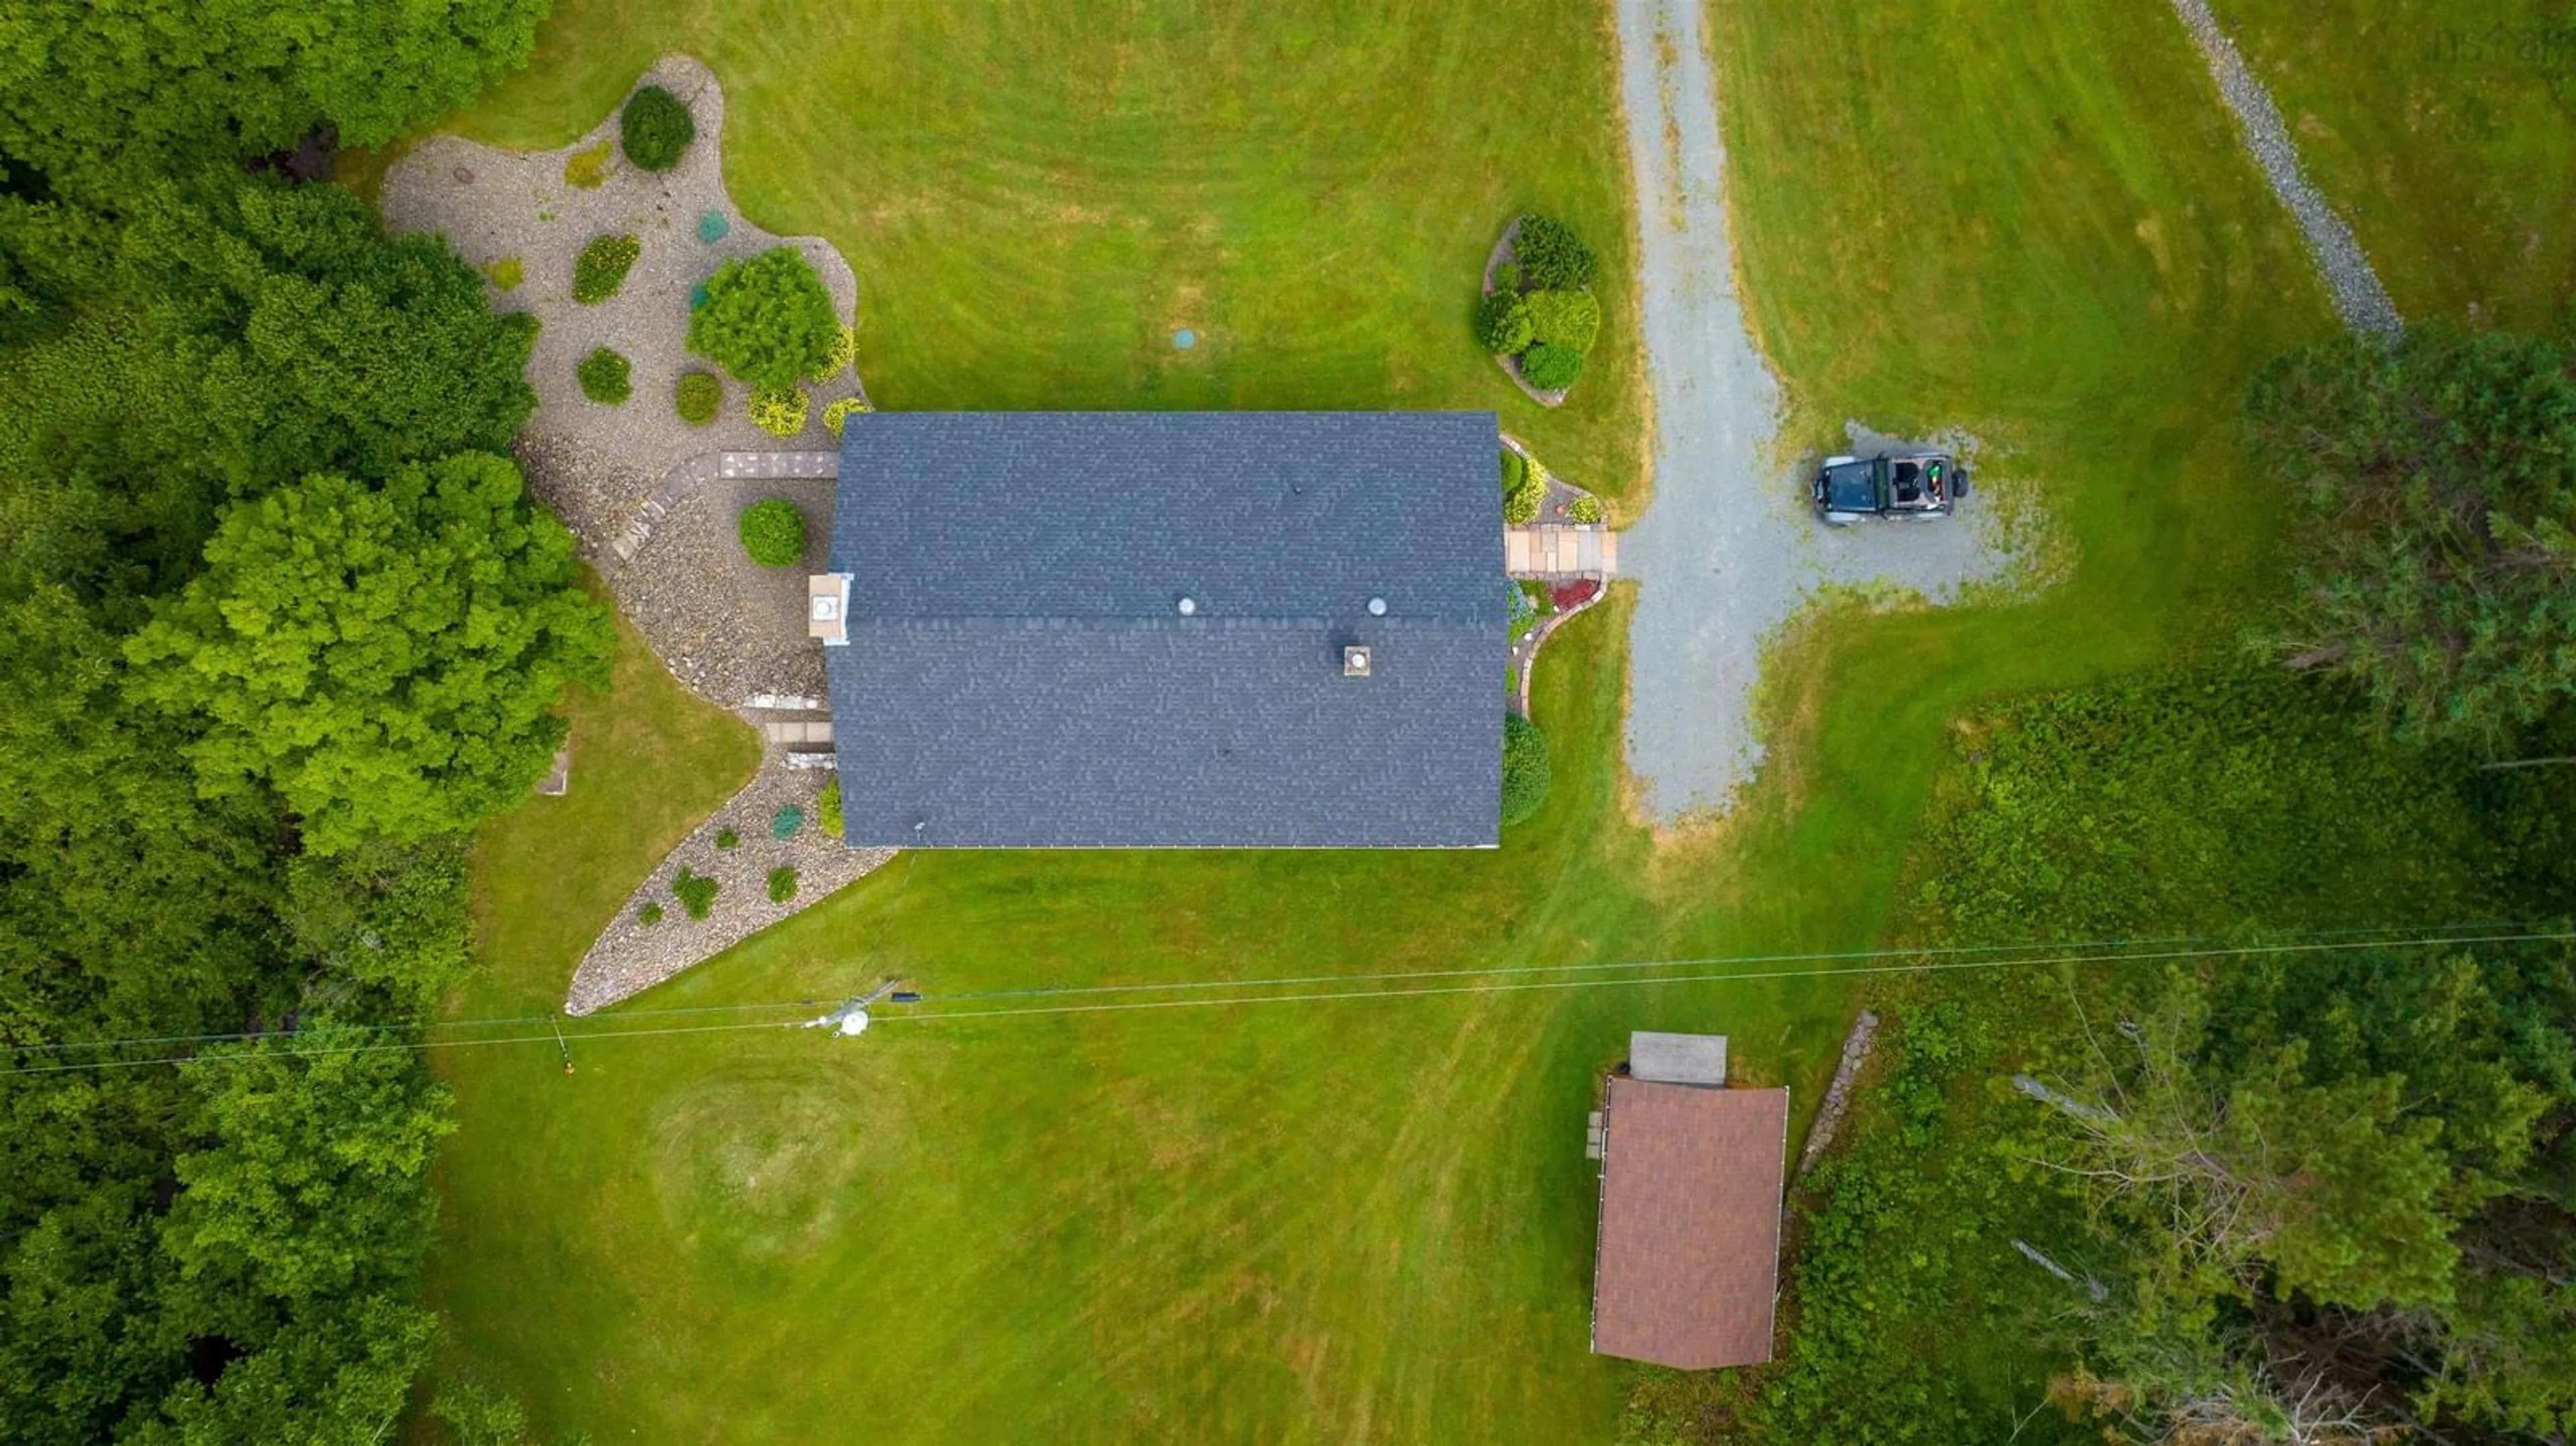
(693, 374)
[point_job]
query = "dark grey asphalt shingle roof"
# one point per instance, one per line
(1018, 673)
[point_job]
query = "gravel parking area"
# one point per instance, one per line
(1728, 550)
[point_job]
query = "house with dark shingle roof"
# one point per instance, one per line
(1169, 630)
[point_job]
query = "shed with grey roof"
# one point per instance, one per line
(1188, 630)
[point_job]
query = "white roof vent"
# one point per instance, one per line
(1189, 605)
(1355, 660)
(1377, 607)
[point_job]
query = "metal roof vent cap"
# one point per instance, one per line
(1377, 607)
(1189, 605)
(1355, 660)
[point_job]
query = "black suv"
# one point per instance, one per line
(1900, 484)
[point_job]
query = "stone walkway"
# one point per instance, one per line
(695, 473)
(2358, 297)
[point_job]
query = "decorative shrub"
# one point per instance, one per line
(773, 532)
(651, 913)
(602, 266)
(1585, 509)
(1550, 254)
(779, 411)
(1507, 277)
(655, 128)
(605, 377)
(713, 227)
(726, 838)
(1525, 768)
(1564, 318)
(1551, 368)
(697, 892)
(507, 273)
(1515, 471)
(1502, 323)
(767, 320)
(586, 169)
(835, 414)
(782, 885)
(845, 350)
(1575, 594)
(1521, 505)
(1525, 611)
(698, 397)
(785, 823)
(827, 808)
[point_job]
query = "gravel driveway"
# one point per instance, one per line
(1728, 550)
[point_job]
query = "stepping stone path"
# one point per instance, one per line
(708, 467)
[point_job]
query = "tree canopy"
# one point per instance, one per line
(2437, 541)
(2341, 1190)
(388, 659)
(94, 95)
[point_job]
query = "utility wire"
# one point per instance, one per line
(1506, 986)
(2426, 935)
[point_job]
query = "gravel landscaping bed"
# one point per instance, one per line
(723, 624)
(632, 956)
(594, 464)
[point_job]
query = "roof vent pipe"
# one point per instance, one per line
(1377, 607)
(1189, 605)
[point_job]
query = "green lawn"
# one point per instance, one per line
(1362, 1220)
(2445, 131)
(1035, 195)
(1367, 1220)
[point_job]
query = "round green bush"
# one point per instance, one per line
(655, 129)
(1585, 509)
(782, 885)
(605, 377)
(1550, 255)
(602, 266)
(696, 892)
(845, 350)
(1551, 368)
(1515, 471)
(836, 415)
(1564, 318)
(698, 397)
(779, 411)
(1502, 323)
(767, 320)
(1521, 504)
(785, 823)
(1525, 770)
(773, 532)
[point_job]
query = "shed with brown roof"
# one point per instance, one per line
(1686, 1271)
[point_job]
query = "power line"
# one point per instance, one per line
(2427, 934)
(1507, 985)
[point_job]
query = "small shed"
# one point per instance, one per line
(1686, 1269)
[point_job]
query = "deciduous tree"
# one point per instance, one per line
(388, 659)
